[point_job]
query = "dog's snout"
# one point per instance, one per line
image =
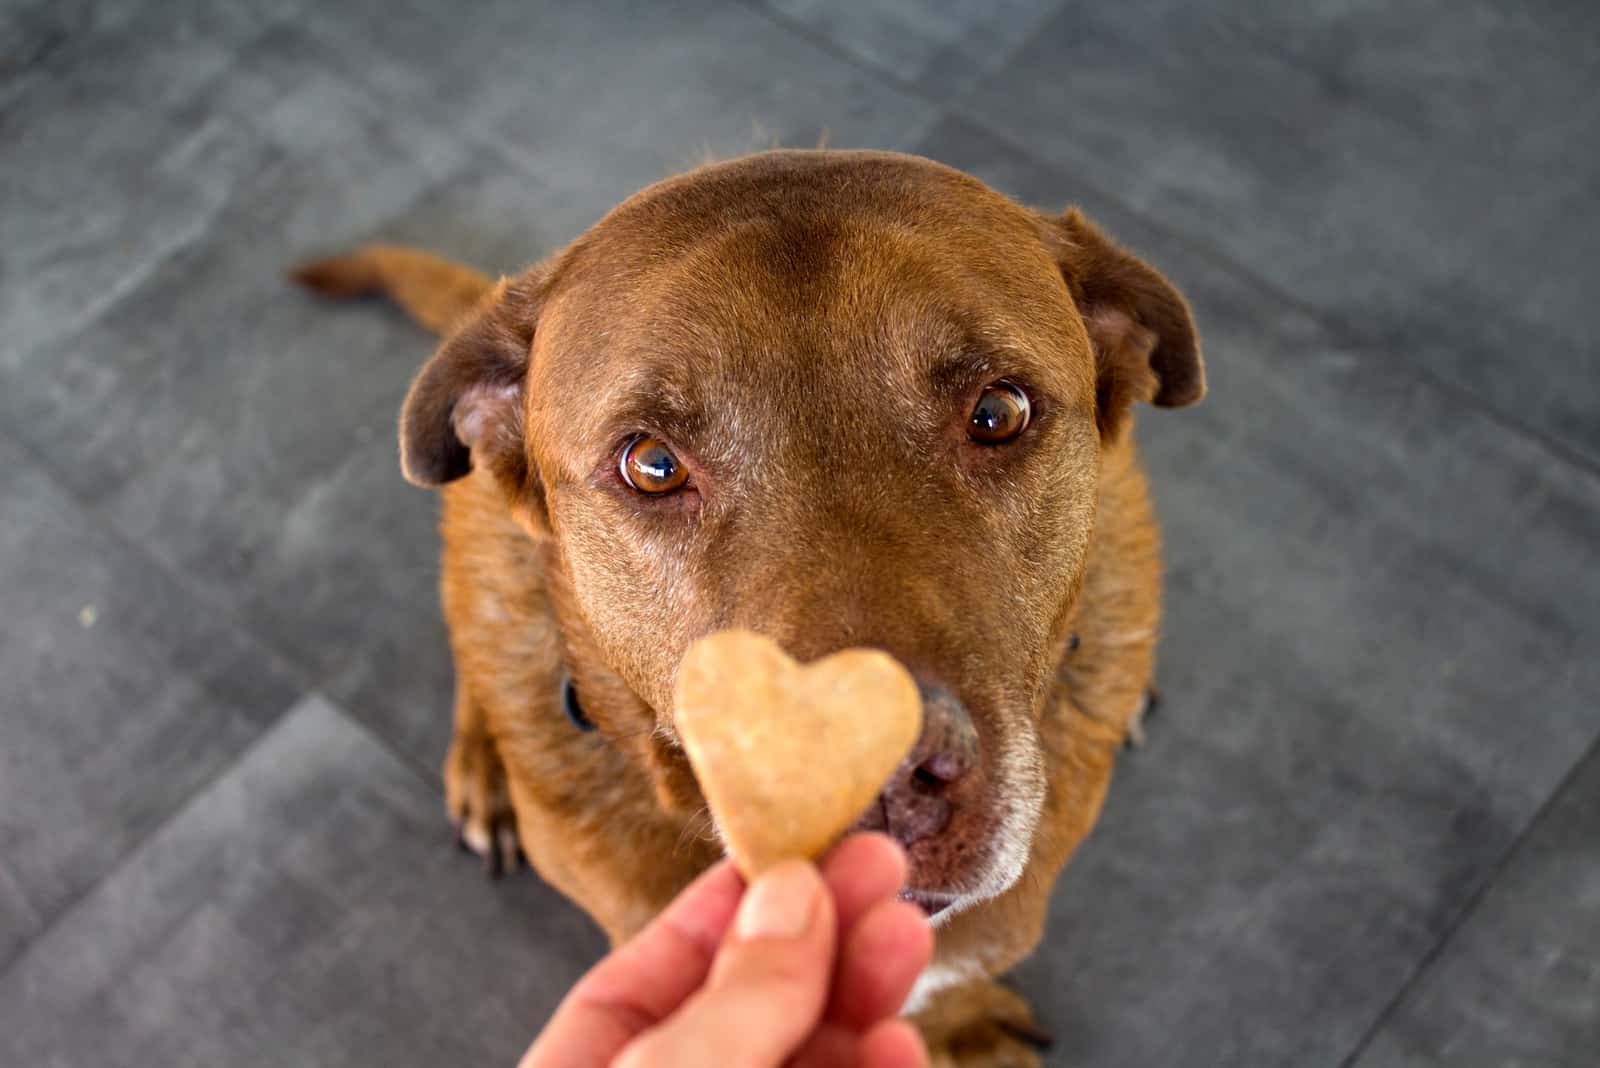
(948, 747)
(931, 783)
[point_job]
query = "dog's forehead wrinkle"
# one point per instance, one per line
(644, 400)
(724, 356)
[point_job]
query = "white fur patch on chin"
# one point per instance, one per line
(1020, 776)
(936, 977)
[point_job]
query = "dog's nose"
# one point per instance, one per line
(925, 789)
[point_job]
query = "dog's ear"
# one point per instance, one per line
(465, 407)
(1145, 343)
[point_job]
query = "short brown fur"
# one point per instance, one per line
(806, 328)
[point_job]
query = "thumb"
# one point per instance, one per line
(768, 986)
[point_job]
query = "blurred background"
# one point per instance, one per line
(1366, 828)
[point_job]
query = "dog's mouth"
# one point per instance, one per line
(966, 830)
(947, 847)
(933, 903)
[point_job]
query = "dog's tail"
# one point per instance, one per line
(436, 292)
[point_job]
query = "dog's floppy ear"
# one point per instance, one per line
(1145, 342)
(465, 407)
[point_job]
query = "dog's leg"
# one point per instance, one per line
(981, 1024)
(475, 791)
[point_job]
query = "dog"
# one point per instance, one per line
(839, 398)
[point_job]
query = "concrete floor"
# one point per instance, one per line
(1367, 829)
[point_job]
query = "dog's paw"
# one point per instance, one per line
(982, 1025)
(479, 804)
(989, 1045)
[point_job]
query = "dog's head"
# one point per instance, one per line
(838, 398)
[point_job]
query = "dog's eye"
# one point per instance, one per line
(650, 467)
(1002, 412)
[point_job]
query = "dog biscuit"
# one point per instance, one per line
(788, 755)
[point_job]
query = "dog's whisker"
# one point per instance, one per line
(628, 736)
(699, 825)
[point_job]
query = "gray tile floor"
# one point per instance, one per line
(1367, 830)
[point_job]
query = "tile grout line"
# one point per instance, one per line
(52, 42)
(72, 904)
(296, 674)
(63, 914)
(300, 680)
(822, 42)
(1362, 346)
(229, 616)
(297, 679)
(470, 134)
(1469, 909)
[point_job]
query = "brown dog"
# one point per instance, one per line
(841, 398)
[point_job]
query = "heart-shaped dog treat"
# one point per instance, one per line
(790, 755)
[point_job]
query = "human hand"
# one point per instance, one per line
(806, 968)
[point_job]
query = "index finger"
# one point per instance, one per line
(644, 980)
(864, 869)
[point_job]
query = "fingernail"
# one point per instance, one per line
(780, 903)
